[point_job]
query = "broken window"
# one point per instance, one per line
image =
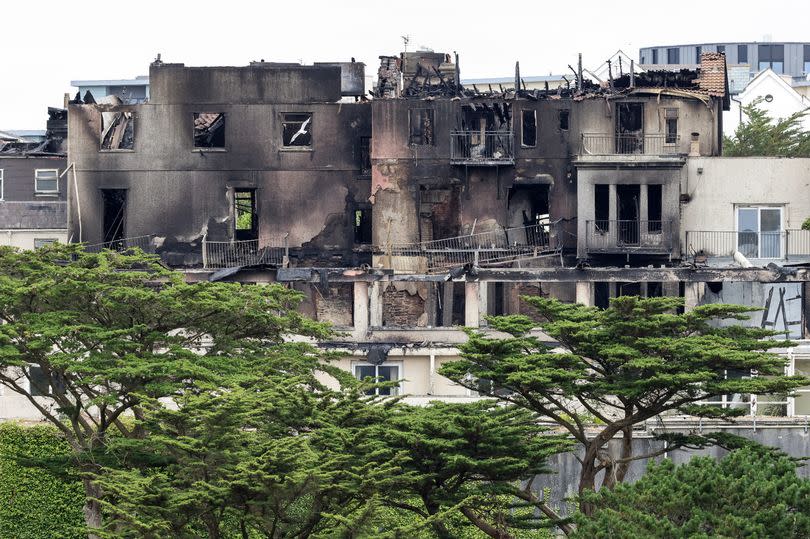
(654, 208)
(655, 289)
(46, 180)
(365, 156)
(362, 226)
(115, 206)
(564, 115)
(296, 130)
(673, 56)
(245, 218)
(209, 130)
(601, 207)
(117, 130)
(421, 127)
(628, 200)
(628, 289)
(601, 294)
(671, 116)
(529, 129)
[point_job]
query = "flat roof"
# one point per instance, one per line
(142, 80)
(729, 43)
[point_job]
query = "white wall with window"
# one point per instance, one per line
(759, 231)
(31, 238)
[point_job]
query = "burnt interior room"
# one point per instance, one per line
(209, 130)
(601, 206)
(114, 203)
(362, 225)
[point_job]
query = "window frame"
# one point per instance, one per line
(673, 53)
(742, 58)
(47, 241)
(759, 208)
(37, 190)
(284, 121)
(671, 114)
(2, 186)
(523, 128)
(400, 366)
(195, 148)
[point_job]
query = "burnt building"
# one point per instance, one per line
(33, 194)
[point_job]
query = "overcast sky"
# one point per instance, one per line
(46, 44)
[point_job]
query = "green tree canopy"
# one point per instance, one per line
(751, 492)
(620, 367)
(761, 135)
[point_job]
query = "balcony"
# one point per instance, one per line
(482, 148)
(144, 243)
(629, 144)
(628, 237)
(270, 250)
(501, 247)
(720, 245)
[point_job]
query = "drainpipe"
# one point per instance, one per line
(740, 107)
(76, 192)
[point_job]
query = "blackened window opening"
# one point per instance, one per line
(564, 116)
(362, 226)
(296, 130)
(246, 220)
(628, 202)
(115, 210)
(630, 128)
(601, 295)
(654, 207)
(209, 130)
(601, 206)
(529, 129)
(421, 127)
(365, 156)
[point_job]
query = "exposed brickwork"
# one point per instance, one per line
(404, 305)
(529, 289)
(337, 306)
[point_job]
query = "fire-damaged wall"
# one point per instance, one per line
(216, 148)
(420, 190)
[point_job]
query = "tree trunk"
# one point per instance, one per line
(92, 508)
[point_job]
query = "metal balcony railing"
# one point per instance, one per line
(483, 249)
(628, 236)
(143, 243)
(768, 245)
(267, 250)
(620, 144)
(487, 148)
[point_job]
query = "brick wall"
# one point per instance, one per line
(404, 305)
(336, 306)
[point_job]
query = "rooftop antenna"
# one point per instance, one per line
(405, 40)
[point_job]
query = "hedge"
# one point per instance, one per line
(34, 502)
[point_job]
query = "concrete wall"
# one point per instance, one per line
(26, 239)
(180, 193)
(18, 177)
(726, 182)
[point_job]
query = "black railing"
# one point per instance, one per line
(481, 148)
(626, 236)
(143, 243)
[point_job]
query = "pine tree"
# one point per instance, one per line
(761, 135)
(621, 366)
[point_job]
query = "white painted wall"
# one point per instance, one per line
(24, 239)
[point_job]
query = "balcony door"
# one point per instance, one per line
(759, 231)
(629, 128)
(627, 200)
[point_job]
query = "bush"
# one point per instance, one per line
(35, 502)
(806, 224)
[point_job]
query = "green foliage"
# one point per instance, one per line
(761, 135)
(34, 503)
(752, 492)
(806, 224)
(622, 366)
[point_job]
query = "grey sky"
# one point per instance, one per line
(47, 43)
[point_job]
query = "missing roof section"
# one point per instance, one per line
(209, 130)
(117, 130)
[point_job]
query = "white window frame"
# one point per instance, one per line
(39, 191)
(759, 208)
(47, 241)
(2, 185)
(396, 390)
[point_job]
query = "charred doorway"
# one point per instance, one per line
(629, 128)
(115, 212)
(529, 209)
(627, 200)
